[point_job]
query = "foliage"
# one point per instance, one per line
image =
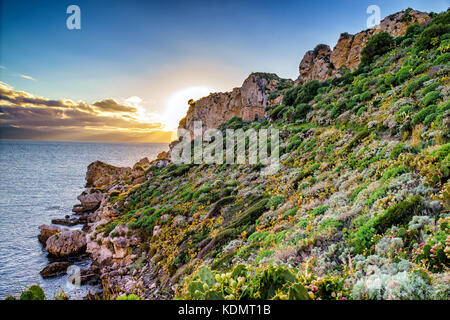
(377, 45)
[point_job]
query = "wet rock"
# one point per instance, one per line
(54, 269)
(90, 276)
(67, 243)
(70, 221)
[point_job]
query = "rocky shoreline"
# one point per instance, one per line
(111, 268)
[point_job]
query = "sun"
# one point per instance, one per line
(176, 105)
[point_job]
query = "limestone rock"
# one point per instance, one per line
(316, 64)
(47, 231)
(247, 102)
(322, 63)
(67, 243)
(90, 201)
(100, 174)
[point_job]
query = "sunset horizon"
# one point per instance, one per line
(82, 85)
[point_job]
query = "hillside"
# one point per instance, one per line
(358, 210)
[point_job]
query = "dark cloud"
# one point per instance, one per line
(110, 105)
(24, 116)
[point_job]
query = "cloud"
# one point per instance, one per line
(25, 115)
(3, 67)
(110, 105)
(24, 76)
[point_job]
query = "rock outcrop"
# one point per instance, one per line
(54, 269)
(322, 63)
(66, 244)
(247, 102)
(47, 231)
(100, 174)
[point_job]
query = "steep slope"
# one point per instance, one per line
(358, 210)
(323, 63)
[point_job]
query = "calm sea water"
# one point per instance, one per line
(40, 181)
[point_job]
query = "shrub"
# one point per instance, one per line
(301, 110)
(389, 80)
(430, 98)
(307, 92)
(291, 212)
(421, 68)
(277, 112)
(397, 150)
(275, 202)
(33, 293)
(319, 210)
(434, 31)
(429, 88)
(398, 214)
(443, 59)
(378, 44)
(366, 95)
(290, 96)
(330, 224)
(416, 85)
(422, 114)
(401, 114)
(361, 239)
(402, 75)
(357, 191)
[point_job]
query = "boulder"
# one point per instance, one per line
(90, 201)
(100, 174)
(70, 221)
(54, 269)
(67, 243)
(46, 231)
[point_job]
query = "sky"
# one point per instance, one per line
(128, 73)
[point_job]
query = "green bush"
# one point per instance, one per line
(307, 92)
(421, 68)
(398, 214)
(301, 110)
(33, 293)
(402, 75)
(429, 88)
(377, 45)
(389, 80)
(275, 202)
(416, 85)
(427, 38)
(443, 59)
(430, 98)
(290, 96)
(319, 210)
(422, 114)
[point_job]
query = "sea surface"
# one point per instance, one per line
(39, 181)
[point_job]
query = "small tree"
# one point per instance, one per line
(377, 45)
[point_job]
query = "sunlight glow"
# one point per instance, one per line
(176, 105)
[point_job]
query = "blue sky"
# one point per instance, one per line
(153, 49)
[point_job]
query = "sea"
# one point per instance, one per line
(40, 181)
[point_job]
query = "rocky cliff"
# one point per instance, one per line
(323, 63)
(358, 210)
(244, 102)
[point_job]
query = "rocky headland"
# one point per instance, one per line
(358, 210)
